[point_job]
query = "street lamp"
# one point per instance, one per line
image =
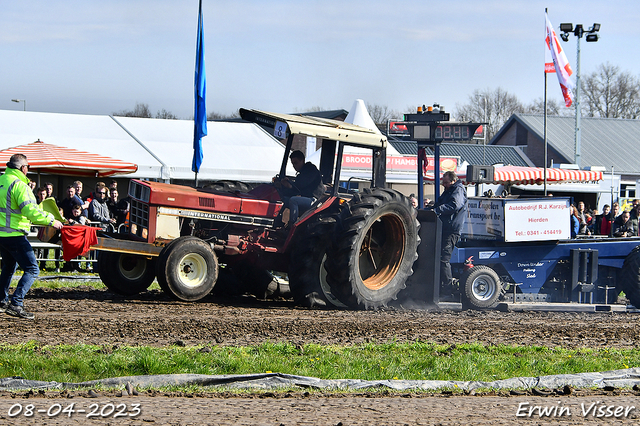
(21, 100)
(592, 36)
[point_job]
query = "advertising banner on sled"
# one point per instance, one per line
(537, 220)
(485, 219)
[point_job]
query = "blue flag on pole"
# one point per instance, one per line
(200, 115)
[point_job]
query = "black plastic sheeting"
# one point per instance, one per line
(616, 378)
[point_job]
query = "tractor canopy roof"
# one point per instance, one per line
(322, 128)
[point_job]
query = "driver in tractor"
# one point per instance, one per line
(300, 192)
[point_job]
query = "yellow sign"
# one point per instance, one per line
(49, 205)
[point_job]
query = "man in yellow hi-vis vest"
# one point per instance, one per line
(18, 209)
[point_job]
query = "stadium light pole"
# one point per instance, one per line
(21, 100)
(592, 36)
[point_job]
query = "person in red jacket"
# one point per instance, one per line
(608, 219)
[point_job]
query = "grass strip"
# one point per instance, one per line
(53, 280)
(370, 361)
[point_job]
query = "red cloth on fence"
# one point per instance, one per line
(77, 240)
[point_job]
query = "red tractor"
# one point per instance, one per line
(351, 248)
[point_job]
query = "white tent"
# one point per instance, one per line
(359, 115)
(231, 150)
(97, 134)
(162, 149)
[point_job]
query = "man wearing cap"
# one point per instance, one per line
(451, 208)
(18, 210)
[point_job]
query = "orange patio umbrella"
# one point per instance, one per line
(54, 159)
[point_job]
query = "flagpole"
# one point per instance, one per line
(545, 134)
(200, 108)
(545, 119)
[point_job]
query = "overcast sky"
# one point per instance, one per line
(97, 57)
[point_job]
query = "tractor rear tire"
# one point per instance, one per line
(189, 269)
(307, 275)
(125, 274)
(629, 277)
(229, 186)
(254, 280)
(482, 288)
(374, 250)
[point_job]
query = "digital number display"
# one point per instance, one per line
(452, 133)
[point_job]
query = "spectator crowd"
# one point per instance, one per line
(611, 222)
(101, 208)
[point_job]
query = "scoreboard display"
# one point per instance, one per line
(435, 127)
(453, 133)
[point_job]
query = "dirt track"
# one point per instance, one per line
(302, 409)
(86, 315)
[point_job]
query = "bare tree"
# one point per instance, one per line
(141, 110)
(553, 107)
(381, 114)
(163, 113)
(316, 108)
(493, 107)
(610, 93)
(219, 116)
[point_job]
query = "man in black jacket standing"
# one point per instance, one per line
(451, 207)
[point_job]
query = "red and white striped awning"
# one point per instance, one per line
(535, 175)
(48, 158)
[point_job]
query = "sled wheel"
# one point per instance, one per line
(125, 274)
(482, 288)
(189, 269)
(307, 275)
(375, 248)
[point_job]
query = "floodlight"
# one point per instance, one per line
(21, 100)
(578, 31)
(592, 36)
(566, 28)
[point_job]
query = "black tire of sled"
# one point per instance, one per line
(481, 288)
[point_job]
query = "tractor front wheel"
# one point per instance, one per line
(189, 269)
